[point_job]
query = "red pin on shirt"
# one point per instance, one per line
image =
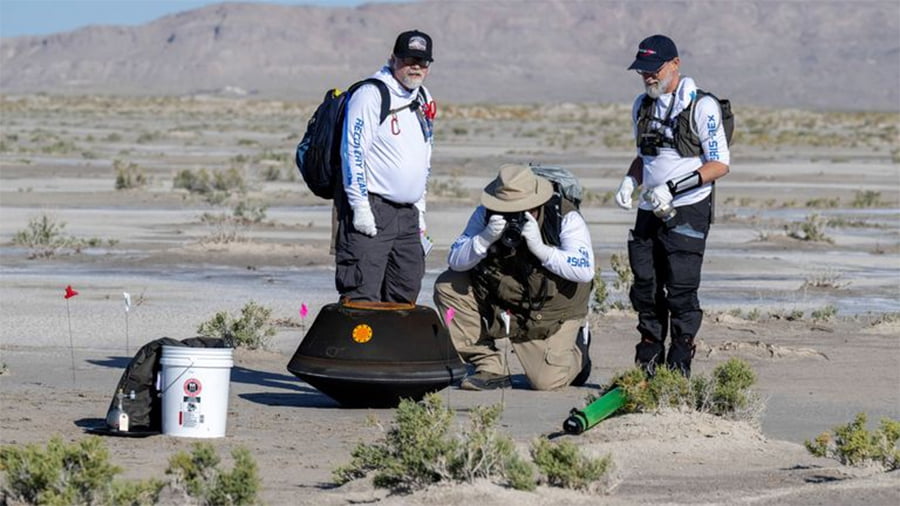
(70, 292)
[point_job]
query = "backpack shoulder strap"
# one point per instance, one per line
(382, 89)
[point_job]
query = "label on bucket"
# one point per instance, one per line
(191, 416)
(192, 387)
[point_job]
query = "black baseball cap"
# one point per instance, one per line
(413, 44)
(653, 52)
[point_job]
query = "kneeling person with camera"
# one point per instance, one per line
(522, 269)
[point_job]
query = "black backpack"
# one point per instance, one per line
(318, 154)
(145, 408)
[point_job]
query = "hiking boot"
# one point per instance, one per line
(583, 341)
(485, 381)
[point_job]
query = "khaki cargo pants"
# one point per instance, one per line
(549, 364)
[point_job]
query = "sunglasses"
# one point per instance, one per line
(644, 73)
(410, 61)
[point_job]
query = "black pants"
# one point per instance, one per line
(388, 267)
(666, 258)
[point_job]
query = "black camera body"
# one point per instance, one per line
(651, 142)
(512, 234)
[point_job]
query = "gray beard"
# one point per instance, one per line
(655, 90)
(411, 83)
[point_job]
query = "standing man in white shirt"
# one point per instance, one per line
(682, 149)
(522, 269)
(379, 251)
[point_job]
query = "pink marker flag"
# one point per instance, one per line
(70, 292)
(448, 316)
(303, 310)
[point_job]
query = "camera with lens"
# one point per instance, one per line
(512, 234)
(650, 143)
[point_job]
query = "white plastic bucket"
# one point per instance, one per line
(194, 384)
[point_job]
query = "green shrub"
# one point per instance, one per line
(624, 276)
(731, 383)
(485, 453)
(601, 294)
(419, 450)
(565, 466)
(852, 444)
(813, 230)
(867, 198)
(727, 392)
(129, 176)
(62, 474)
(825, 313)
(44, 237)
(253, 330)
(199, 474)
(415, 452)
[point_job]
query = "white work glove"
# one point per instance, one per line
(531, 231)
(364, 221)
(658, 197)
(626, 189)
(491, 232)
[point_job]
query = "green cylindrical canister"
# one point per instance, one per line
(581, 420)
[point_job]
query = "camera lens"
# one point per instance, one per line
(512, 234)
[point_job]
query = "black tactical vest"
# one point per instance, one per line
(511, 279)
(685, 141)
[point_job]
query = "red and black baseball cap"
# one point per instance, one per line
(653, 52)
(413, 44)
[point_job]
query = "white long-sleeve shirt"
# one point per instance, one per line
(668, 164)
(391, 159)
(572, 260)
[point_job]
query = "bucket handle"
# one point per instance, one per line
(183, 372)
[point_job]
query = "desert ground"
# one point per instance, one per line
(801, 279)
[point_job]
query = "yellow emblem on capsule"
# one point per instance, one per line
(362, 333)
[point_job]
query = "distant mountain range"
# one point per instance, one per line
(805, 54)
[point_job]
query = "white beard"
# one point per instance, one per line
(657, 89)
(411, 82)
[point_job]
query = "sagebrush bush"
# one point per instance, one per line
(727, 392)
(484, 452)
(420, 449)
(63, 474)
(852, 444)
(199, 474)
(565, 466)
(129, 175)
(253, 330)
(414, 453)
(44, 236)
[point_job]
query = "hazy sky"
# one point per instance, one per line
(40, 17)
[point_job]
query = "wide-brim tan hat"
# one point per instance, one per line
(515, 189)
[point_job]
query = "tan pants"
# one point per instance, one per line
(549, 364)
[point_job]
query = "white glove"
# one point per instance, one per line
(626, 189)
(531, 231)
(492, 231)
(658, 196)
(364, 221)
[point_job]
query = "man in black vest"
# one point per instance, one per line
(682, 149)
(522, 269)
